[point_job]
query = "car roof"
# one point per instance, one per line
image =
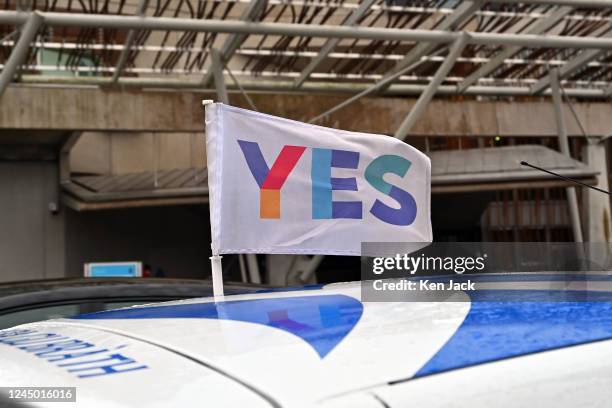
(330, 343)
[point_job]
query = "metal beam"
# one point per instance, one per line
(567, 69)
(559, 115)
(571, 3)
(9, 36)
(234, 41)
(331, 43)
(538, 28)
(366, 92)
(463, 11)
(320, 87)
(241, 27)
(20, 51)
(428, 93)
(54, 45)
(572, 65)
(572, 200)
(242, 91)
(140, 11)
(217, 71)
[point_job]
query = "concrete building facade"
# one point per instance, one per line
(107, 132)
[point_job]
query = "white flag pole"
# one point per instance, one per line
(215, 260)
(217, 275)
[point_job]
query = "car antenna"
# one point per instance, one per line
(524, 163)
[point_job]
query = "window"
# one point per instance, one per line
(38, 314)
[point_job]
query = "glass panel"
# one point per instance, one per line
(38, 314)
(51, 58)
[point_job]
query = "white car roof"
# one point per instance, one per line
(301, 348)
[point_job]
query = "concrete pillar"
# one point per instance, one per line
(597, 205)
(572, 200)
(32, 238)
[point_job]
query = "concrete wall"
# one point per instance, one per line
(130, 152)
(31, 238)
(148, 111)
(35, 244)
(139, 131)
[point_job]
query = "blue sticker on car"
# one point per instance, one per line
(321, 321)
(508, 323)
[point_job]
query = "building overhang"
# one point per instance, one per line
(453, 171)
(499, 168)
(134, 190)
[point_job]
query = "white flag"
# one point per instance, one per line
(279, 186)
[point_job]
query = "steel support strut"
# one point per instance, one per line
(123, 58)
(331, 43)
(217, 70)
(20, 51)
(574, 64)
(572, 200)
(495, 62)
(429, 92)
(376, 87)
(463, 12)
(233, 42)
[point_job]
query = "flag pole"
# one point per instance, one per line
(217, 275)
(215, 260)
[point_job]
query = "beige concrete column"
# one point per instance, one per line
(597, 205)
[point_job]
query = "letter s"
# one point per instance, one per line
(406, 214)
